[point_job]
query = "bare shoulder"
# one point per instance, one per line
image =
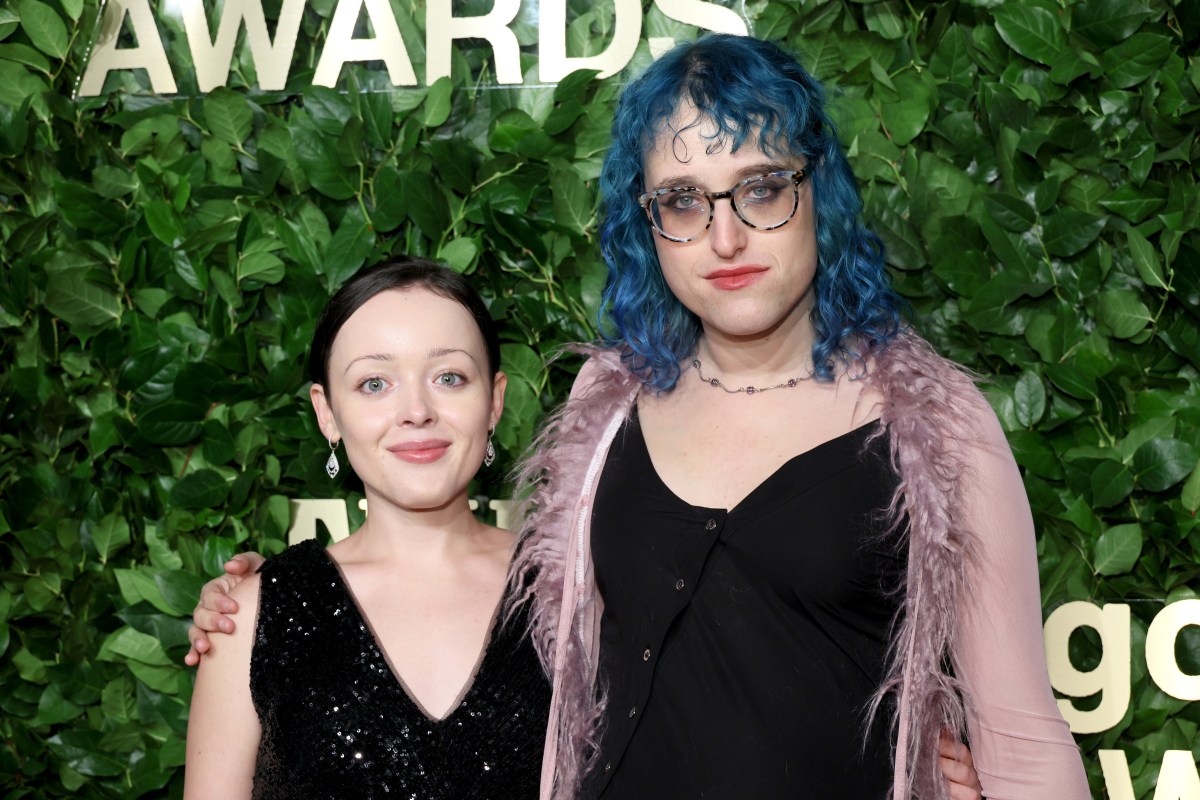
(246, 595)
(247, 589)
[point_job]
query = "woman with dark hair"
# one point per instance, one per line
(382, 667)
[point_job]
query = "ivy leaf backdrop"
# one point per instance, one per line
(1028, 164)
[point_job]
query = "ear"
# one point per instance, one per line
(324, 410)
(499, 384)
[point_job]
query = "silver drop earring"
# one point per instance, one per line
(332, 466)
(489, 453)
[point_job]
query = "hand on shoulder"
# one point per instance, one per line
(214, 609)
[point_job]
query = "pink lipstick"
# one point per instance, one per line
(422, 451)
(735, 277)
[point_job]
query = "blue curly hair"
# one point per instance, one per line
(747, 87)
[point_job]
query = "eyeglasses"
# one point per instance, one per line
(764, 202)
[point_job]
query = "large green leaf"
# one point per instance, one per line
(1112, 482)
(1033, 29)
(109, 535)
(572, 201)
(348, 248)
(318, 155)
(459, 253)
(905, 115)
(1135, 59)
(1069, 231)
(164, 222)
(1161, 463)
(44, 27)
(1012, 213)
(1030, 399)
(1191, 491)
(258, 262)
(83, 752)
(172, 423)
(133, 645)
(228, 115)
(201, 489)
(80, 302)
(1117, 549)
(437, 103)
(1145, 258)
(1123, 312)
(1133, 203)
(1108, 22)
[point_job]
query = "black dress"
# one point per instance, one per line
(337, 723)
(740, 648)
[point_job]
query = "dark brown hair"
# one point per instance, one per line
(403, 272)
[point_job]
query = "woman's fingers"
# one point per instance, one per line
(956, 764)
(215, 603)
(244, 564)
(200, 646)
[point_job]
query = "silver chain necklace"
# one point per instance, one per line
(790, 383)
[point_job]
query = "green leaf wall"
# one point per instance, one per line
(1028, 164)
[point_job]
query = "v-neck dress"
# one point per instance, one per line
(739, 648)
(337, 722)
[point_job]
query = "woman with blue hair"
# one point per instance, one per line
(777, 545)
(773, 545)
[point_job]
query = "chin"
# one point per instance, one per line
(744, 325)
(424, 498)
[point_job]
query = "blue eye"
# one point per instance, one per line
(373, 385)
(450, 379)
(682, 202)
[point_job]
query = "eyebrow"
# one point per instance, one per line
(673, 181)
(436, 352)
(370, 357)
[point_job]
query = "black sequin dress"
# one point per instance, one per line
(337, 723)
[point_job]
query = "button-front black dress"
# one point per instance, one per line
(741, 647)
(338, 723)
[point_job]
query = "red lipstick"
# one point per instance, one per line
(735, 277)
(422, 451)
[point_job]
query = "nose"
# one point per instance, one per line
(728, 234)
(414, 407)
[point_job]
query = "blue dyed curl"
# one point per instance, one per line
(747, 87)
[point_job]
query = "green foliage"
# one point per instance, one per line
(1029, 166)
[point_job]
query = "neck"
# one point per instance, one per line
(392, 532)
(783, 352)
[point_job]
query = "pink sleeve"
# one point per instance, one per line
(1022, 747)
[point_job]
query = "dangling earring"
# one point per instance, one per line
(489, 452)
(332, 466)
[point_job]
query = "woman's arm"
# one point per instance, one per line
(1022, 747)
(223, 728)
(216, 602)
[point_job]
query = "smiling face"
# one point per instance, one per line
(741, 282)
(409, 395)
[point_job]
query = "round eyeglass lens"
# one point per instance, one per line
(767, 201)
(681, 214)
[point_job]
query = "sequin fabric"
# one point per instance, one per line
(336, 722)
